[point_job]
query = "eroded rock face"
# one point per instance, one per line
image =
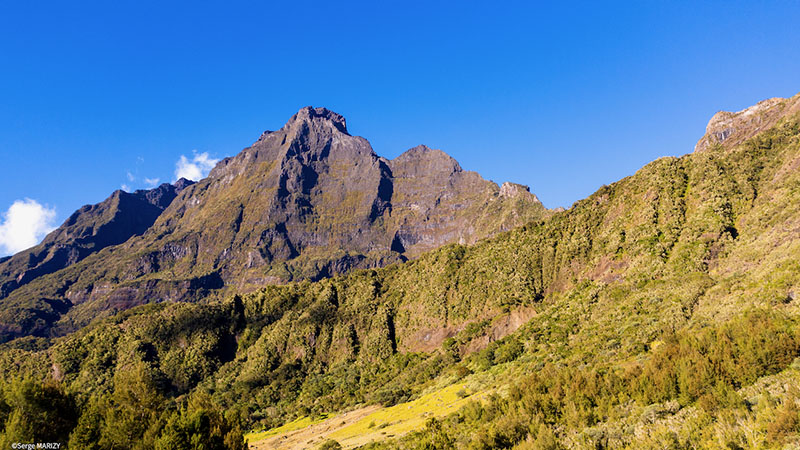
(320, 200)
(304, 202)
(436, 202)
(731, 128)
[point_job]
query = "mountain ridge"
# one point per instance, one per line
(89, 229)
(306, 201)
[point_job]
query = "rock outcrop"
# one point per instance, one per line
(729, 129)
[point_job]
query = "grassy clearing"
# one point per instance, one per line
(294, 425)
(370, 424)
(400, 419)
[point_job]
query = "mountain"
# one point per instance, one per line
(305, 202)
(88, 230)
(659, 312)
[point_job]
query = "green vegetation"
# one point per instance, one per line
(135, 415)
(297, 424)
(35, 412)
(330, 445)
(696, 369)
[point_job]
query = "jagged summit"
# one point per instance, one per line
(311, 118)
(731, 128)
(309, 114)
(182, 183)
(306, 201)
(312, 134)
(424, 152)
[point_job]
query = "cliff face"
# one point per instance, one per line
(304, 202)
(436, 202)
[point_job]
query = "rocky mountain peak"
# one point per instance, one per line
(423, 159)
(312, 134)
(731, 128)
(182, 183)
(318, 116)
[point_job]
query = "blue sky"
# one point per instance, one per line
(561, 97)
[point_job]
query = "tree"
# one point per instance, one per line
(330, 444)
(200, 425)
(37, 412)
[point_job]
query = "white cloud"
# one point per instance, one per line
(151, 182)
(196, 168)
(126, 187)
(131, 177)
(24, 225)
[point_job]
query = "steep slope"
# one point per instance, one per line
(304, 202)
(321, 201)
(88, 230)
(663, 296)
(435, 202)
